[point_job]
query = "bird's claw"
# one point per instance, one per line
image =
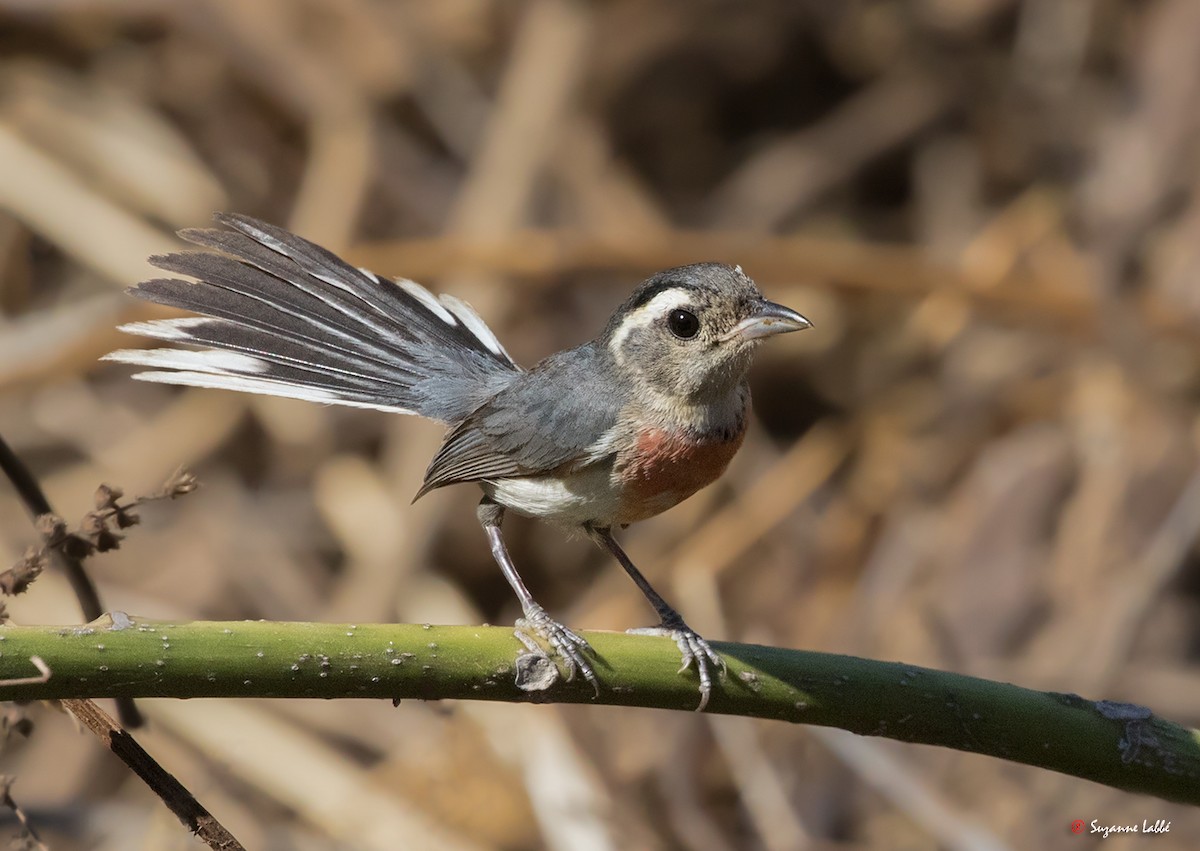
(693, 649)
(566, 643)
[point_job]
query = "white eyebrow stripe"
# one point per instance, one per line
(644, 315)
(667, 300)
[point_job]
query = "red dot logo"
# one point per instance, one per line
(1077, 826)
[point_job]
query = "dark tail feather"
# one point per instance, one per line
(282, 316)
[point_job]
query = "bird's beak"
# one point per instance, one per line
(770, 319)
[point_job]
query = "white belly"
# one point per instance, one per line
(587, 496)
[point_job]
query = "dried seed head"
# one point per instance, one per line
(106, 496)
(20, 576)
(181, 483)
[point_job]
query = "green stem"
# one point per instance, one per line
(1118, 744)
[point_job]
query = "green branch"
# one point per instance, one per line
(1118, 744)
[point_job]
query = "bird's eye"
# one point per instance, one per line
(683, 324)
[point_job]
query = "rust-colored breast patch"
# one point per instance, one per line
(666, 467)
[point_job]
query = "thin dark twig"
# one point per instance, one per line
(35, 500)
(31, 493)
(172, 793)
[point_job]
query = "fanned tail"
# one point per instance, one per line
(285, 317)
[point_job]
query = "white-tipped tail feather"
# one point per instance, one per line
(284, 317)
(474, 323)
(426, 298)
(263, 386)
(212, 361)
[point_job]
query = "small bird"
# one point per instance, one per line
(594, 438)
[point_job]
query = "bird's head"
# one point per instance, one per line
(689, 332)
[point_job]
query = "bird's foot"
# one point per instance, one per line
(568, 644)
(694, 650)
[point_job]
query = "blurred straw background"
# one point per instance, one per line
(983, 458)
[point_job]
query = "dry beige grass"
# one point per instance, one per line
(983, 458)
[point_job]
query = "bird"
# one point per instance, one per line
(592, 438)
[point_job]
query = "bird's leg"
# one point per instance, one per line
(691, 645)
(566, 643)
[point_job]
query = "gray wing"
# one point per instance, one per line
(548, 417)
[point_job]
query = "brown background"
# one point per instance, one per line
(983, 457)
